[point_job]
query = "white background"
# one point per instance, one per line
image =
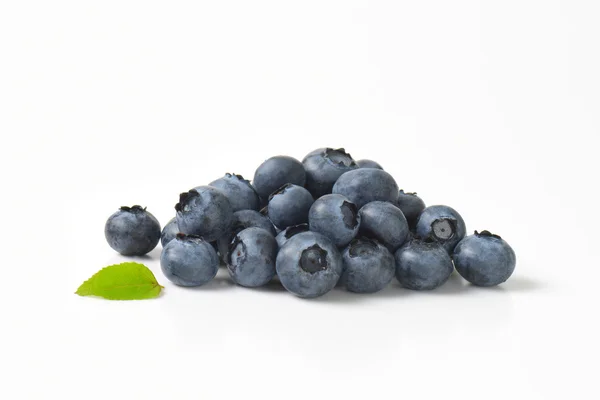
(490, 107)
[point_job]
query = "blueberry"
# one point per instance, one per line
(442, 223)
(323, 167)
(364, 185)
(368, 266)
(368, 164)
(204, 211)
(276, 172)
(189, 260)
(336, 217)
(239, 192)
(309, 265)
(169, 232)
(484, 259)
(385, 222)
(423, 264)
(132, 231)
(289, 205)
(411, 206)
(251, 257)
(241, 220)
(289, 232)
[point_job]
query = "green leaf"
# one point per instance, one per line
(126, 281)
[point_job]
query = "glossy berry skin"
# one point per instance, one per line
(132, 231)
(289, 205)
(368, 164)
(189, 261)
(276, 172)
(241, 220)
(169, 232)
(385, 222)
(368, 266)
(442, 223)
(204, 211)
(251, 257)
(484, 259)
(336, 217)
(289, 232)
(309, 265)
(239, 192)
(422, 265)
(411, 206)
(324, 167)
(364, 185)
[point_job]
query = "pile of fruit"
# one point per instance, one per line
(323, 221)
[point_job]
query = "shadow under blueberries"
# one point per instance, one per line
(117, 258)
(521, 284)
(340, 295)
(219, 282)
(514, 284)
(273, 286)
(155, 253)
(454, 285)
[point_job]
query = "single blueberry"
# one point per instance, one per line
(484, 259)
(204, 211)
(323, 167)
(132, 231)
(289, 232)
(276, 172)
(309, 265)
(239, 192)
(368, 164)
(289, 205)
(368, 266)
(241, 220)
(169, 232)
(364, 185)
(189, 260)
(251, 257)
(336, 217)
(423, 264)
(411, 206)
(442, 223)
(385, 222)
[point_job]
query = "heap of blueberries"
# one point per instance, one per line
(323, 221)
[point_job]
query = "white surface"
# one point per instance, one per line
(490, 107)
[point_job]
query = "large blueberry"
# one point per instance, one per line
(442, 223)
(385, 222)
(323, 167)
(368, 266)
(241, 220)
(364, 185)
(336, 217)
(423, 264)
(239, 192)
(412, 206)
(276, 172)
(484, 259)
(132, 231)
(251, 257)
(289, 232)
(289, 205)
(368, 164)
(309, 265)
(189, 261)
(204, 211)
(169, 232)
